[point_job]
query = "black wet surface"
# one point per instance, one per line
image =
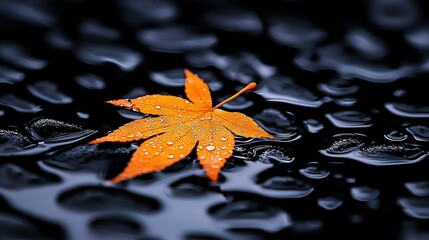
(342, 88)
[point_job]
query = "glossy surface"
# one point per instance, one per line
(341, 87)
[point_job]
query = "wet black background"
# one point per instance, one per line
(341, 87)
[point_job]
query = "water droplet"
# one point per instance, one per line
(364, 193)
(157, 107)
(420, 188)
(329, 203)
(171, 156)
(223, 138)
(210, 148)
(169, 143)
(314, 171)
(202, 157)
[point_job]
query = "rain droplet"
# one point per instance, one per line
(210, 148)
(169, 143)
(223, 138)
(171, 156)
(157, 107)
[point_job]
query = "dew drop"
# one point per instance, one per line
(202, 157)
(210, 148)
(157, 107)
(180, 147)
(171, 156)
(223, 138)
(200, 147)
(156, 153)
(146, 153)
(223, 148)
(202, 119)
(169, 143)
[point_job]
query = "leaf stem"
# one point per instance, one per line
(249, 86)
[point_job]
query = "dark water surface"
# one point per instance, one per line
(342, 87)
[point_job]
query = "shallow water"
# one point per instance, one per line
(341, 88)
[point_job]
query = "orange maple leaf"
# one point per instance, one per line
(179, 126)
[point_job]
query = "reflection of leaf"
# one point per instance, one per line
(180, 125)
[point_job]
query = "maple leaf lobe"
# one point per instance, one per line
(181, 124)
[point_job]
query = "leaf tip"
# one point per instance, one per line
(95, 141)
(213, 176)
(121, 103)
(188, 73)
(118, 179)
(269, 136)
